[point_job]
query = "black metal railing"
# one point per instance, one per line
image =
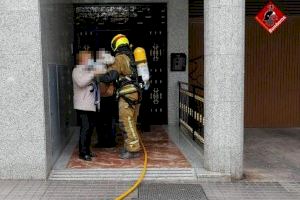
(191, 110)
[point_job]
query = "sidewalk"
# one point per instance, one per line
(95, 190)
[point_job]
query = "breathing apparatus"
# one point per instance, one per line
(142, 66)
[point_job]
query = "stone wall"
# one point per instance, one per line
(22, 113)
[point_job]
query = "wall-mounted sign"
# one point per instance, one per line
(178, 61)
(270, 17)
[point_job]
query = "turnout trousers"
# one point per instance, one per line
(128, 119)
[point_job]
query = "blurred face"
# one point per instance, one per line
(83, 57)
(100, 54)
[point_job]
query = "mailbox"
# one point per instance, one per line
(178, 61)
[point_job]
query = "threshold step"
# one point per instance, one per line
(123, 174)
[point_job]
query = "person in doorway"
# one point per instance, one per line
(105, 126)
(123, 70)
(85, 102)
(105, 118)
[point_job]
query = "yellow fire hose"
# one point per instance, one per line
(141, 177)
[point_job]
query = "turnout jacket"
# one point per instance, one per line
(119, 69)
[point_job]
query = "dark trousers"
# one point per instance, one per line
(86, 121)
(105, 125)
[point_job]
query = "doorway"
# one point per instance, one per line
(171, 154)
(97, 24)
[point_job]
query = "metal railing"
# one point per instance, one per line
(191, 110)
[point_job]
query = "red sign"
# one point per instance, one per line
(270, 17)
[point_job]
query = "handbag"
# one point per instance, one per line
(107, 89)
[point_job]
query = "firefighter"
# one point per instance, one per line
(124, 72)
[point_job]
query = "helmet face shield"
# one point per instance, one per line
(118, 41)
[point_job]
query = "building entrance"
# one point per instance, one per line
(145, 25)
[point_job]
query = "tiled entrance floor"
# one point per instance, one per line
(172, 156)
(162, 152)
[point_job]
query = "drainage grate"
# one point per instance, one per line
(171, 192)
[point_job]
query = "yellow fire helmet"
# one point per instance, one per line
(118, 41)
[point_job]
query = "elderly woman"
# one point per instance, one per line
(84, 103)
(86, 100)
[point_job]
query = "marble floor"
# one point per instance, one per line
(162, 153)
(172, 156)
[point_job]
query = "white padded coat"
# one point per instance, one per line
(83, 98)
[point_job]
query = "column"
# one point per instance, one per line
(22, 112)
(224, 43)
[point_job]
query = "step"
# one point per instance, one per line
(124, 174)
